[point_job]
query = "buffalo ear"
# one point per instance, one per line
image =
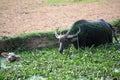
(4, 54)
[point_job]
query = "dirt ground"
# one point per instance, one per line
(23, 16)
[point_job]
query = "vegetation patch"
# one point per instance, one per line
(68, 1)
(56, 1)
(116, 24)
(90, 64)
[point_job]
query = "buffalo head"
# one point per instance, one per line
(65, 39)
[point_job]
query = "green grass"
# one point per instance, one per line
(89, 64)
(27, 35)
(116, 23)
(87, 0)
(56, 1)
(68, 1)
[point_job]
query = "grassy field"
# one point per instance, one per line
(99, 63)
(102, 62)
(68, 1)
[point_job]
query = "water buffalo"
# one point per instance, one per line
(85, 33)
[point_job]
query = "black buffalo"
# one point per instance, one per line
(85, 33)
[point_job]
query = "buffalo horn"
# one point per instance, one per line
(74, 35)
(57, 35)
